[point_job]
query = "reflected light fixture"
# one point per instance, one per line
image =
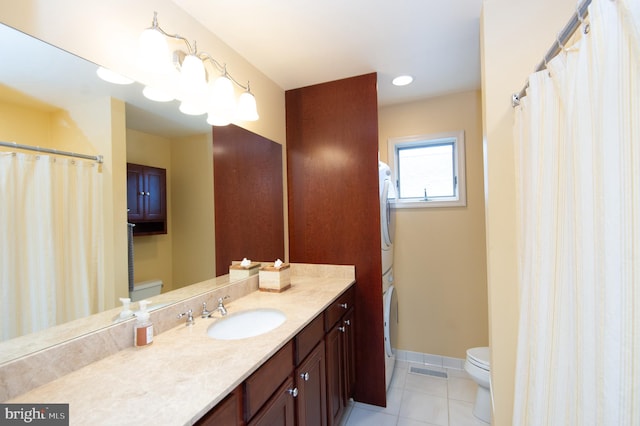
(184, 76)
(402, 80)
(112, 76)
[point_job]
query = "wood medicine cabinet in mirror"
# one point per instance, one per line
(147, 199)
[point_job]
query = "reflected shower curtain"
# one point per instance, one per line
(578, 170)
(50, 241)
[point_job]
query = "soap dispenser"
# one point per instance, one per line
(143, 329)
(126, 310)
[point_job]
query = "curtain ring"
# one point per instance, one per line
(585, 25)
(546, 65)
(560, 45)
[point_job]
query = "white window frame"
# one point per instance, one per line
(460, 200)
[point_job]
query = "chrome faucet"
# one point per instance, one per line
(205, 312)
(221, 307)
(189, 315)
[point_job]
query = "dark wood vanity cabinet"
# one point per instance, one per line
(310, 375)
(279, 409)
(147, 199)
(228, 412)
(306, 383)
(339, 350)
(262, 384)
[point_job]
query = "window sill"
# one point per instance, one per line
(420, 204)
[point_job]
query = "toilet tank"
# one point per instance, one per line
(145, 290)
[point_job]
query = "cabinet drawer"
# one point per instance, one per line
(259, 387)
(308, 338)
(335, 311)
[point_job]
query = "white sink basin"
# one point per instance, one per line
(250, 323)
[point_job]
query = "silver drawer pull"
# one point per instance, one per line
(344, 305)
(342, 329)
(304, 376)
(293, 392)
(347, 322)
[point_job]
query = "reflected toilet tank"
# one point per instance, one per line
(145, 290)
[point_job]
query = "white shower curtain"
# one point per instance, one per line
(50, 241)
(578, 170)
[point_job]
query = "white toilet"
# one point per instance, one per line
(145, 290)
(477, 365)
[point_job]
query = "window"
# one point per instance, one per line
(429, 170)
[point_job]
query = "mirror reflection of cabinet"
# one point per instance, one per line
(147, 199)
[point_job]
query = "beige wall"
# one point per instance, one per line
(439, 263)
(24, 124)
(515, 36)
(192, 210)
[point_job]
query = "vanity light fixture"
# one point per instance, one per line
(402, 80)
(184, 76)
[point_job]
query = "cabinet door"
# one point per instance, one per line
(135, 192)
(349, 355)
(227, 413)
(335, 389)
(155, 194)
(279, 410)
(311, 383)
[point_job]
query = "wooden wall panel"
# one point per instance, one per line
(248, 196)
(334, 213)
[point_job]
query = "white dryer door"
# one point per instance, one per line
(386, 216)
(390, 321)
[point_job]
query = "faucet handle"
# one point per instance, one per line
(222, 299)
(189, 315)
(205, 311)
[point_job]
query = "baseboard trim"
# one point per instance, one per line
(430, 359)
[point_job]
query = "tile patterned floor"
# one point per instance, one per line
(416, 400)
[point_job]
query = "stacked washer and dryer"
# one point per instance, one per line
(390, 302)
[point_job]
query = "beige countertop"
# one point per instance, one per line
(184, 373)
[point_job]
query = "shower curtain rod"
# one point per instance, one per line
(574, 23)
(96, 158)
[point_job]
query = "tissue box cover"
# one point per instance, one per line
(275, 279)
(237, 272)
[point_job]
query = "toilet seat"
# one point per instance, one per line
(479, 357)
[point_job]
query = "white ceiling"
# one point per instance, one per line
(297, 43)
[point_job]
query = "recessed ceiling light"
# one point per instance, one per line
(402, 80)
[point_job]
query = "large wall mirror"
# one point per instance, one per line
(41, 79)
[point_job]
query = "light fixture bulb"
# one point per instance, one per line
(402, 80)
(215, 120)
(192, 107)
(247, 109)
(157, 94)
(192, 80)
(222, 103)
(112, 76)
(153, 51)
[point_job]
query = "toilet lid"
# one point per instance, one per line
(479, 357)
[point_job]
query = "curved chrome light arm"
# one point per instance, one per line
(156, 26)
(223, 70)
